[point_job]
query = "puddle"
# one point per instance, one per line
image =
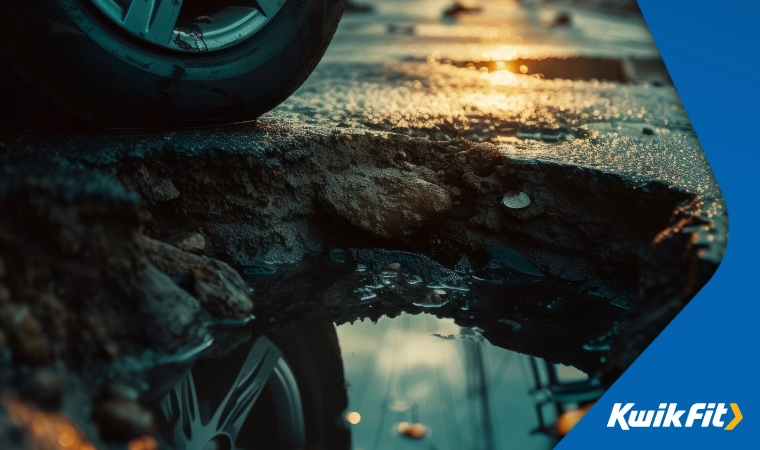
(395, 383)
(499, 291)
(463, 391)
(578, 68)
(380, 349)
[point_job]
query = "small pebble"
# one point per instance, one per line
(432, 297)
(394, 266)
(189, 242)
(516, 200)
(648, 131)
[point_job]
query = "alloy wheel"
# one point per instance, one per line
(190, 25)
(195, 424)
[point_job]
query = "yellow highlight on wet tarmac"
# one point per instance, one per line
(354, 418)
(504, 53)
(503, 78)
(523, 69)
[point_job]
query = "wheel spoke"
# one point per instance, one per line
(270, 7)
(180, 407)
(153, 20)
(253, 376)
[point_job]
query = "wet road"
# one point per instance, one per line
(373, 77)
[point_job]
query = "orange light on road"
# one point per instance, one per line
(569, 419)
(412, 430)
(354, 418)
(46, 430)
(145, 443)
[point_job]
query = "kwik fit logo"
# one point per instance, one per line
(668, 415)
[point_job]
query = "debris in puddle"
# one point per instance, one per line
(461, 7)
(490, 277)
(432, 300)
(513, 260)
(516, 200)
(413, 268)
(597, 348)
(602, 343)
(559, 301)
(365, 293)
(415, 279)
(515, 325)
(444, 336)
(439, 288)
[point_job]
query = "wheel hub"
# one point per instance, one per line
(190, 25)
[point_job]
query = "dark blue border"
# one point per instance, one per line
(710, 352)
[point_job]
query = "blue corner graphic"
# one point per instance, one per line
(708, 353)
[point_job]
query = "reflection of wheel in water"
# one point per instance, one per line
(280, 391)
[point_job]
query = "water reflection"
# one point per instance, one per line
(418, 381)
(413, 381)
(283, 390)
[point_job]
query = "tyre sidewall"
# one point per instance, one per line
(313, 354)
(148, 82)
